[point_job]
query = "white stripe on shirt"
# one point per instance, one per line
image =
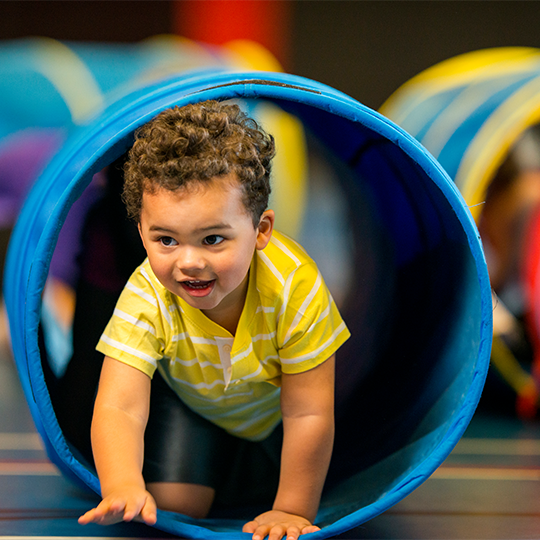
(264, 258)
(300, 313)
(258, 371)
(241, 355)
(286, 250)
(140, 293)
(128, 349)
(313, 353)
(134, 321)
(269, 336)
(162, 305)
(252, 420)
(207, 386)
(217, 399)
(265, 400)
(322, 316)
(286, 293)
(193, 362)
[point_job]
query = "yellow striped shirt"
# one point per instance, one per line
(289, 324)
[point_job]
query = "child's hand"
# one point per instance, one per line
(277, 524)
(123, 505)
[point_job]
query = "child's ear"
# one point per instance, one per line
(265, 229)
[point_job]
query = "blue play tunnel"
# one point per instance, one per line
(49, 83)
(476, 113)
(469, 110)
(417, 298)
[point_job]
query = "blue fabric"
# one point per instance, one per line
(440, 295)
(455, 148)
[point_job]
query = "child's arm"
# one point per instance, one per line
(120, 417)
(307, 403)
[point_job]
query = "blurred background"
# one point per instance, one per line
(61, 61)
(366, 49)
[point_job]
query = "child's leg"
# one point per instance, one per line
(185, 455)
(190, 499)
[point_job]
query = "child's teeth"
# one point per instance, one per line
(200, 284)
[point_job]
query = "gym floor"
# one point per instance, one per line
(488, 488)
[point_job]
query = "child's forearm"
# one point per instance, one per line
(306, 453)
(120, 416)
(118, 424)
(307, 406)
(117, 442)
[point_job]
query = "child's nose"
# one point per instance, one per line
(190, 259)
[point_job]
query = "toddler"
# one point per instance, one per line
(217, 386)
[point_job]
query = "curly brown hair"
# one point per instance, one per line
(196, 143)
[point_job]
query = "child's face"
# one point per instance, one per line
(200, 242)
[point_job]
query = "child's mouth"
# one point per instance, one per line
(198, 287)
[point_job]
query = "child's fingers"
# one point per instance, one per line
(310, 529)
(144, 510)
(274, 533)
(290, 532)
(149, 512)
(100, 519)
(277, 531)
(260, 532)
(131, 510)
(147, 516)
(87, 517)
(122, 507)
(106, 513)
(250, 527)
(92, 516)
(111, 509)
(293, 532)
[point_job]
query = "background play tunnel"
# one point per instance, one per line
(394, 240)
(469, 110)
(476, 114)
(49, 83)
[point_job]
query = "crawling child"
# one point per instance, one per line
(218, 379)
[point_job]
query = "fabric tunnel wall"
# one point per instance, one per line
(410, 277)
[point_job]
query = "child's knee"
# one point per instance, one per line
(189, 499)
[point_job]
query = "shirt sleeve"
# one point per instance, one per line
(310, 328)
(135, 332)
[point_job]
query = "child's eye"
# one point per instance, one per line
(168, 241)
(213, 240)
